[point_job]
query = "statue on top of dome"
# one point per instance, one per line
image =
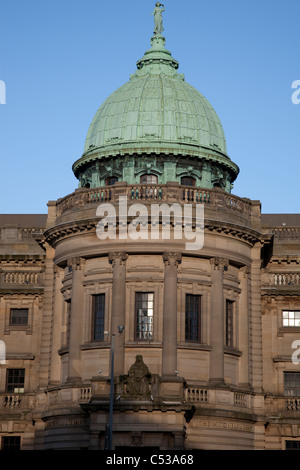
(158, 21)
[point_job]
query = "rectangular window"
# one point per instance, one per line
(68, 320)
(98, 308)
(11, 443)
(144, 306)
(229, 323)
(18, 316)
(292, 445)
(291, 318)
(15, 379)
(292, 384)
(193, 318)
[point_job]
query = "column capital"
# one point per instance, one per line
(117, 257)
(76, 263)
(219, 263)
(245, 270)
(57, 270)
(171, 258)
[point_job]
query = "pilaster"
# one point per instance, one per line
(244, 326)
(169, 356)
(77, 319)
(55, 363)
(218, 265)
(118, 262)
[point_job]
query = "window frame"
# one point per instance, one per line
(11, 383)
(292, 445)
(111, 180)
(289, 319)
(150, 175)
(191, 179)
(16, 445)
(289, 388)
(229, 323)
(101, 337)
(190, 331)
(137, 332)
(14, 309)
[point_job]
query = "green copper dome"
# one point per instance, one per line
(157, 112)
(156, 106)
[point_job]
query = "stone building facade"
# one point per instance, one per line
(203, 336)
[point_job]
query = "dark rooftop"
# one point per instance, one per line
(23, 220)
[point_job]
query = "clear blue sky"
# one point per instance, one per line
(61, 59)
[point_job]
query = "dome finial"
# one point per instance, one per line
(158, 21)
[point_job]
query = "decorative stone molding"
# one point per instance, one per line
(76, 263)
(172, 259)
(117, 257)
(245, 270)
(219, 263)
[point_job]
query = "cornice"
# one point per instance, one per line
(85, 226)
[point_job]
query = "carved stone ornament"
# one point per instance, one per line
(119, 258)
(76, 263)
(139, 378)
(172, 258)
(219, 263)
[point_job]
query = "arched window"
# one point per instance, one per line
(188, 181)
(149, 179)
(111, 180)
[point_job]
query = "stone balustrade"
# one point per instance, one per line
(170, 192)
(292, 404)
(285, 279)
(20, 278)
(240, 399)
(12, 401)
(196, 394)
(86, 394)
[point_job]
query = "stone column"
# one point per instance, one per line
(217, 321)
(55, 362)
(244, 325)
(169, 352)
(118, 261)
(77, 320)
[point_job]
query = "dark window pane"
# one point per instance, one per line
(229, 323)
(193, 318)
(68, 303)
(188, 181)
(292, 384)
(15, 379)
(11, 443)
(98, 317)
(19, 316)
(111, 181)
(292, 445)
